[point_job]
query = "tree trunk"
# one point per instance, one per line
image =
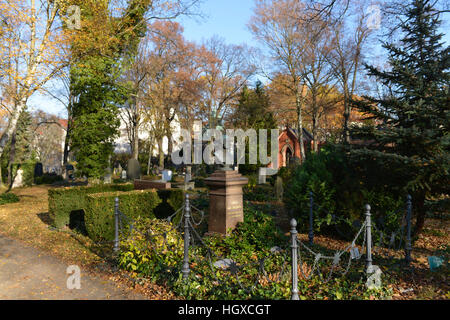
(150, 153)
(66, 143)
(346, 118)
(12, 125)
(12, 156)
(314, 119)
(169, 145)
(135, 136)
(161, 153)
(419, 206)
(314, 133)
(299, 103)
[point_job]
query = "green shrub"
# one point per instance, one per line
(161, 261)
(62, 201)
(47, 178)
(155, 258)
(200, 182)
(99, 211)
(259, 193)
(8, 198)
(340, 194)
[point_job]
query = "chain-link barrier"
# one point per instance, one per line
(398, 239)
(273, 266)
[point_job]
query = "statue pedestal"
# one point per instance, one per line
(226, 207)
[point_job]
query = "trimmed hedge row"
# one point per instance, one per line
(62, 201)
(99, 211)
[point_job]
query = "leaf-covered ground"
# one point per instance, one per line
(28, 222)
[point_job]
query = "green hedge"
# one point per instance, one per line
(47, 178)
(99, 212)
(62, 201)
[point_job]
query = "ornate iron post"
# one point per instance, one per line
(408, 247)
(187, 215)
(311, 228)
(116, 225)
(369, 237)
(294, 247)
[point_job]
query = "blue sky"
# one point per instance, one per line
(225, 18)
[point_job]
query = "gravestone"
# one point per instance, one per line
(279, 188)
(108, 176)
(166, 175)
(188, 176)
(18, 179)
(262, 176)
(118, 170)
(38, 170)
(133, 169)
(226, 207)
(124, 175)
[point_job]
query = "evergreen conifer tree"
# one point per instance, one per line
(407, 150)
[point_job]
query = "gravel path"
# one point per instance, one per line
(27, 273)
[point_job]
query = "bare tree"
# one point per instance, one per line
(347, 55)
(33, 54)
(226, 69)
(277, 25)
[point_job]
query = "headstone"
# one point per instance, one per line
(18, 179)
(279, 188)
(108, 176)
(133, 169)
(124, 175)
(38, 170)
(188, 176)
(226, 208)
(223, 264)
(262, 176)
(275, 249)
(166, 175)
(70, 170)
(118, 170)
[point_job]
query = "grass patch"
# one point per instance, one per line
(8, 198)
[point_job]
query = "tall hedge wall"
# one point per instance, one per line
(62, 201)
(99, 212)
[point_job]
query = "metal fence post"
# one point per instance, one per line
(311, 229)
(116, 225)
(187, 214)
(369, 237)
(294, 247)
(408, 247)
